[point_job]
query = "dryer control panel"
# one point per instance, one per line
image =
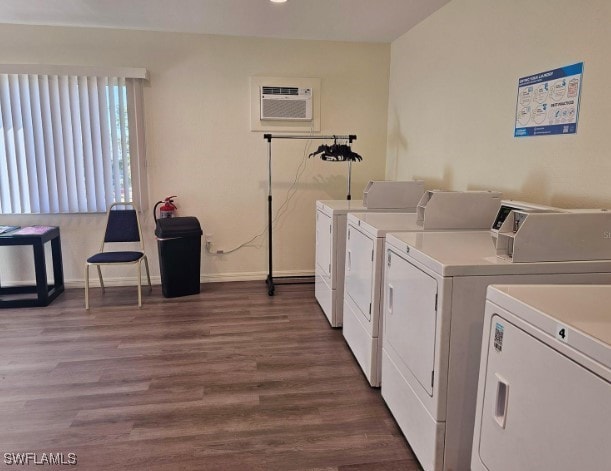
(442, 210)
(555, 236)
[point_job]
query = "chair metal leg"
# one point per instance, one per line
(86, 286)
(100, 277)
(140, 284)
(148, 274)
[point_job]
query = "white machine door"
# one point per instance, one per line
(359, 269)
(323, 242)
(410, 317)
(541, 409)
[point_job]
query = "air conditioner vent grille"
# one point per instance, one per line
(280, 90)
(285, 109)
(286, 103)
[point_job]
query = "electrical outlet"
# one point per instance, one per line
(208, 239)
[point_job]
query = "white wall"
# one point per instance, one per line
(453, 88)
(200, 146)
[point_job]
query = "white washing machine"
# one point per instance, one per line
(435, 287)
(544, 395)
(363, 287)
(330, 250)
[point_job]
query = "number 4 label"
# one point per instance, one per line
(562, 333)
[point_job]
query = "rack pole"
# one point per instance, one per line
(270, 278)
(351, 138)
(349, 196)
(348, 137)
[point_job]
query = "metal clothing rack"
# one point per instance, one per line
(268, 137)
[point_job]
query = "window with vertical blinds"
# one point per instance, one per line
(69, 143)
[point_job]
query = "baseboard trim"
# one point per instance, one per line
(206, 278)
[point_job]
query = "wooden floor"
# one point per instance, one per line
(227, 379)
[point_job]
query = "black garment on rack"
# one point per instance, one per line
(336, 153)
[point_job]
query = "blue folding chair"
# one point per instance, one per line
(122, 225)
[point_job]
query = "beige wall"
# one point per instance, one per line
(453, 90)
(200, 146)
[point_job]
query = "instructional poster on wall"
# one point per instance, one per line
(548, 102)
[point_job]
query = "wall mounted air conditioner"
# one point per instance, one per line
(286, 103)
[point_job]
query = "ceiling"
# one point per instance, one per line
(337, 20)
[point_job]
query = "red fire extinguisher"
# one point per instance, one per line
(168, 210)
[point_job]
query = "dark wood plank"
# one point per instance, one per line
(227, 379)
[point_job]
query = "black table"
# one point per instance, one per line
(37, 237)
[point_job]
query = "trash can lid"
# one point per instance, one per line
(186, 226)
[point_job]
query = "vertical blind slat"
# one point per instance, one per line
(88, 164)
(96, 138)
(47, 132)
(61, 131)
(68, 126)
(39, 145)
(28, 167)
(112, 124)
(124, 128)
(11, 148)
(20, 175)
(57, 125)
(5, 192)
(107, 164)
(77, 145)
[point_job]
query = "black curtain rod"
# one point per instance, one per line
(269, 137)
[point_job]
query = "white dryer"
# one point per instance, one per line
(544, 395)
(331, 222)
(363, 284)
(435, 291)
(363, 288)
(381, 196)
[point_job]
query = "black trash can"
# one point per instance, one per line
(180, 247)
